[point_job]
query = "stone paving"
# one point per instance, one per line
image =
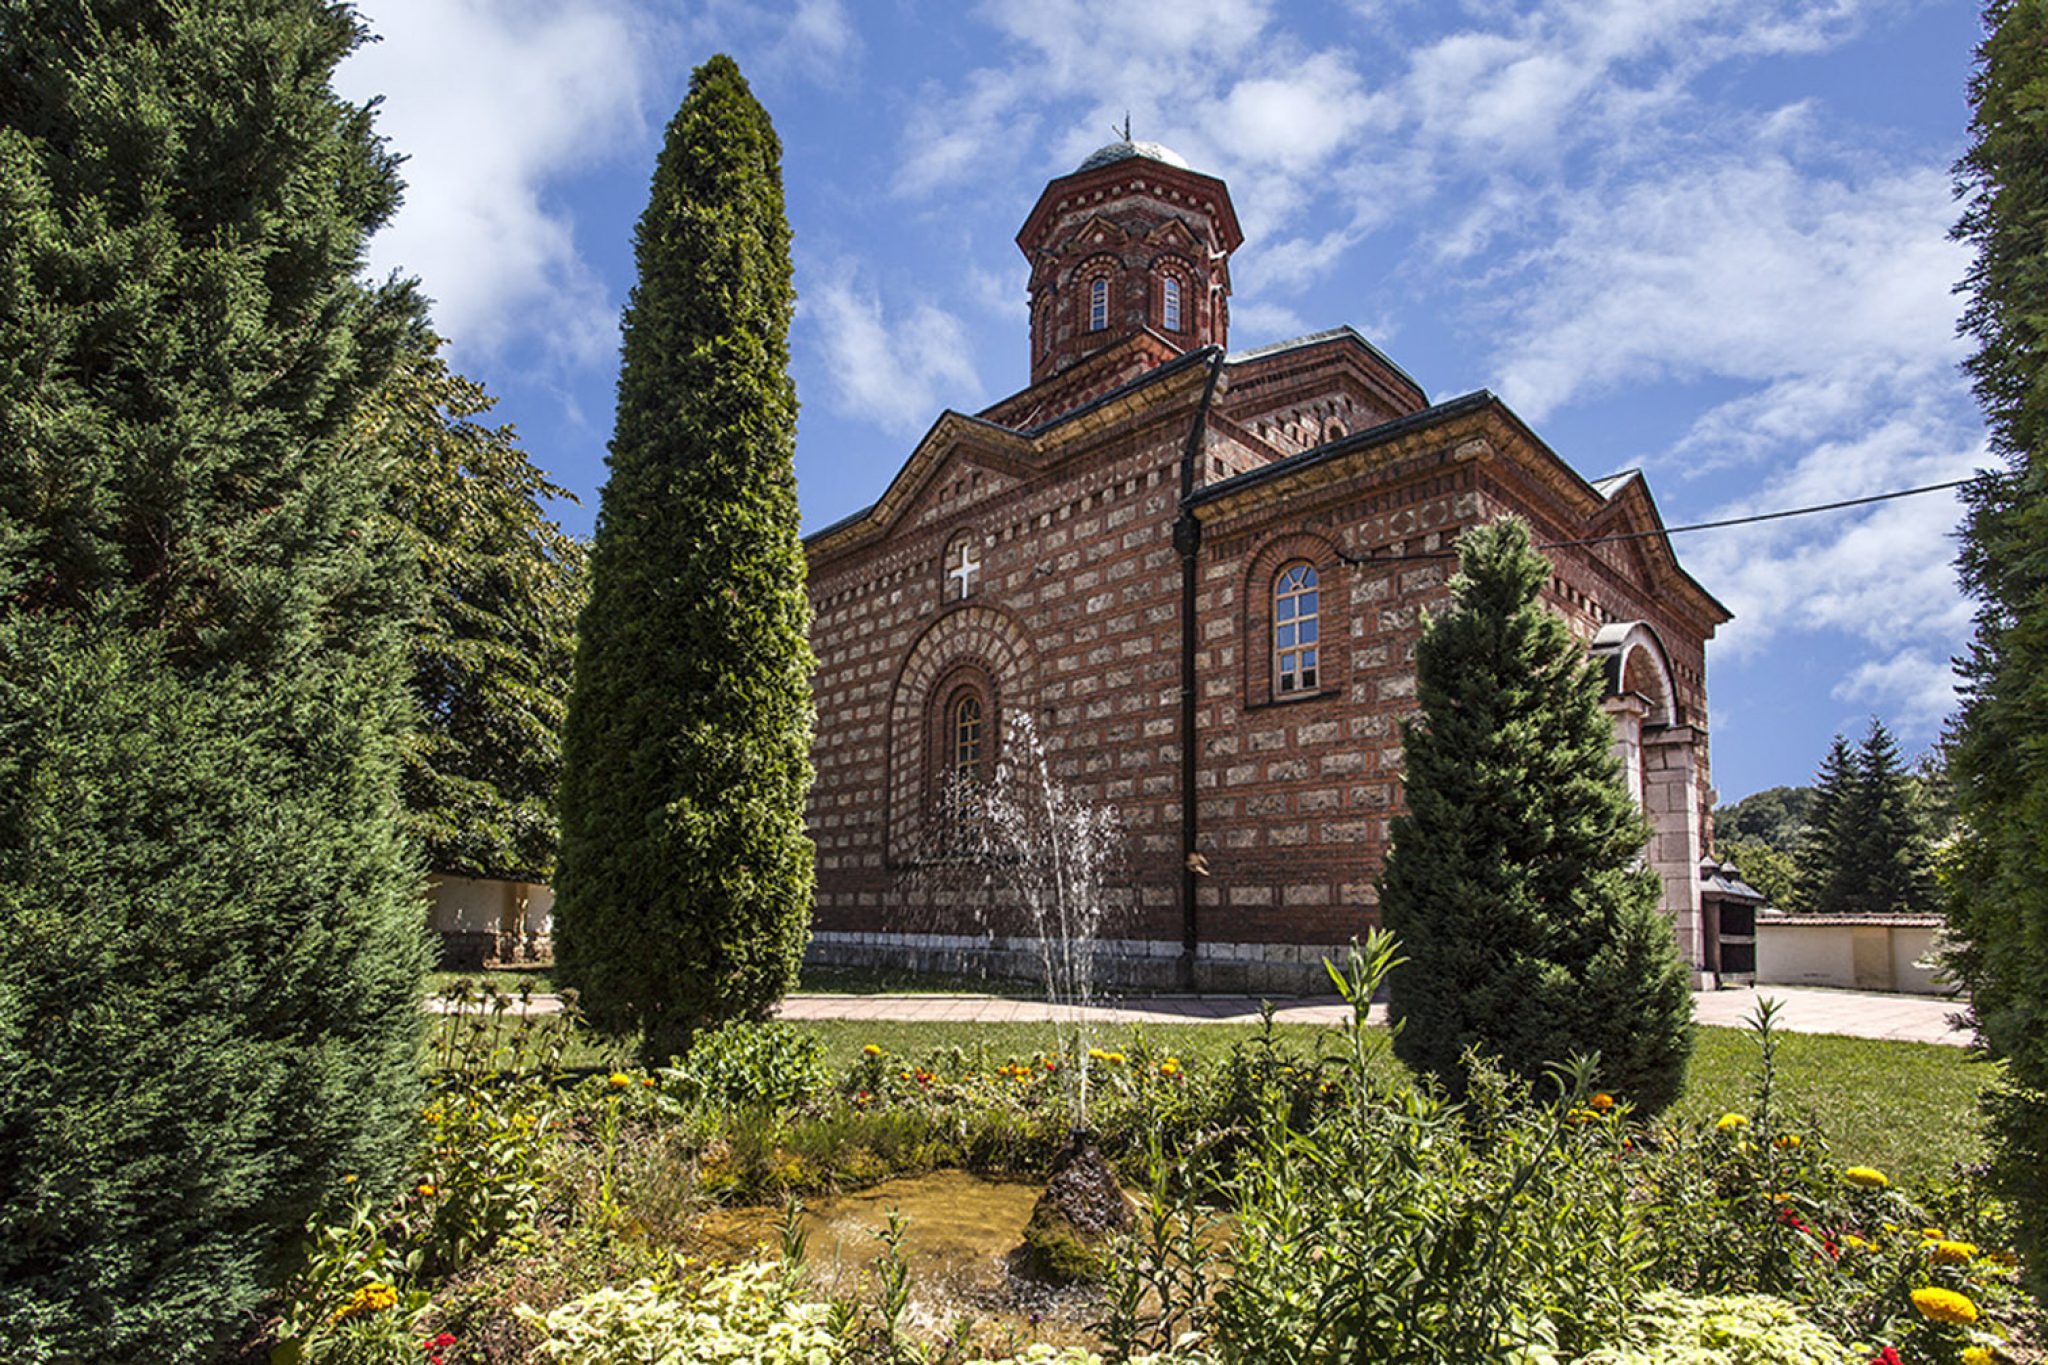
(1856, 1014)
(1900, 1018)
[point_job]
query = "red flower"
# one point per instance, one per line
(1888, 1356)
(436, 1344)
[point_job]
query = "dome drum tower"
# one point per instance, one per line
(1131, 242)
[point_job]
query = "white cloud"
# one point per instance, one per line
(895, 373)
(1750, 269)
(1918, 690)
(491, 101)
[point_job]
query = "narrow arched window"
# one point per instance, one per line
(1098, 303)
(966, 728)
(1296, 630)
(1169, 304)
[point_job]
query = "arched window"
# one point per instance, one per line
(1296, 630)
(965, 730)
(1098, 303)
(1169, 303)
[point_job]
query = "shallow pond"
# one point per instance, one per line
(960, 1233)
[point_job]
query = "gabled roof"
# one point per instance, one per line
(1349, 336)
(1022, 453)
(1626, 494)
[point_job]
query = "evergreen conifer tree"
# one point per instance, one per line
(1530, 927)
(1998, 866)
(1827, 841)
(210, 937)
(1889, 863)
(495, 645)
(684, 891)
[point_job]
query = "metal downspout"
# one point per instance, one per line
(1187, 539)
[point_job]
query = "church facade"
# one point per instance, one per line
(1201, 575)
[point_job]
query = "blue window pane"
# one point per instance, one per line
(1286, 612)
(1308, 658)
(1308, 632)
(1286, 637)
(1308, 604)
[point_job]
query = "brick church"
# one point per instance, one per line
(1201, 573)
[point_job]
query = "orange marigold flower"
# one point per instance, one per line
(1601, 1102)
(1945, 1305)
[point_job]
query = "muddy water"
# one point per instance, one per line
(960, 1233)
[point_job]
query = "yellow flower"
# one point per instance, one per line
(620, 1080)
(373, 1297)
(1976, 1355)
(1728, 1123)
(1950, 1253)
(871, 1051)
(1866, 1177)
(1601, 1102)
(1855, 1243)
(1786, 1142)
(647, 1081)
(425, 1189)
(1116, 1059)
(1945, 1305)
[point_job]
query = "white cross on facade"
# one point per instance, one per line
(965, 570)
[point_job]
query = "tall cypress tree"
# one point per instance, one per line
(684, 891)
(210, 944)
(1530, 928)
(1998, 874)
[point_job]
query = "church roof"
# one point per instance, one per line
(1126, 149)
(1301, 343)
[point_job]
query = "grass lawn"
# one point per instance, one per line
(1909, 1109)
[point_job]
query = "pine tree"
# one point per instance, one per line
(210, 942)
(1826, 842)
(495, 645)
(684, 891)
(1889, 864)
(1514, 885)
(1998, 867)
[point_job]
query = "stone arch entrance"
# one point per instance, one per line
(975, 640)
(1660, 757)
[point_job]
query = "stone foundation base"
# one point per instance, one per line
(1121, 965)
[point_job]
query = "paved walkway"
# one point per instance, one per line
(1857, 1014)
(1902, 1018)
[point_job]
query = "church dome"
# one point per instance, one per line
(1125, 150)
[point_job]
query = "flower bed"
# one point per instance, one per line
(550, 1218)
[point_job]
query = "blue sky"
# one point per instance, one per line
(1704, 238)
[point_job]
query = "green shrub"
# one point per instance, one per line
(741, 1064)
(1670, 1328)
(746, 1313)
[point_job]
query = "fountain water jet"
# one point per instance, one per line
(1038, 848)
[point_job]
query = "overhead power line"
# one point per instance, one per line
(1750, 520)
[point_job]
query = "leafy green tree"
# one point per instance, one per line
(1764, 866)
(684, 893)
(1998, 866)
(210, 940)
(495, 644)
(1531, 929)
(1773, 815)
